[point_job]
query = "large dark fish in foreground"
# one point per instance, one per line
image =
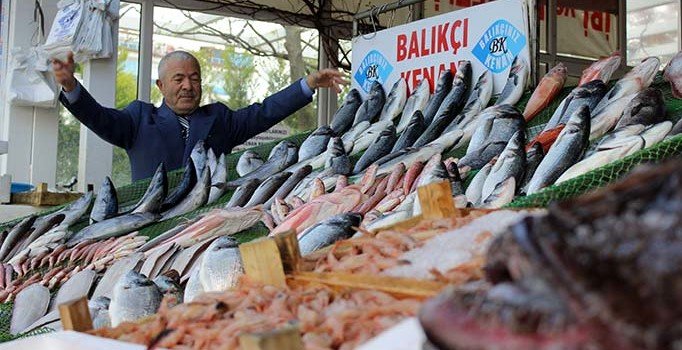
(344, 116)
(153, 198)
(379, 148)
(327, 232)
(371, 108)
(283, 155)
(443, 87)
(113, 227)
(189, 179)
(106, 202)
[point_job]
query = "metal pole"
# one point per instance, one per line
(144, 74)
(322, 94)
(622, 33)
(552, 31)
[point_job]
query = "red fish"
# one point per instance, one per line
(602, 69)
(546, 138)
(547, 89)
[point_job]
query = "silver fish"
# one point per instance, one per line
(41, 227)
(677, 129)
(221, 265)
(607, 153)
(243, 193)
(267, 188)
(608, 117)
(416, 102)
(195, 199)
(169, 284)
(29, 306)
(199, 157)
(647, 108)
(654, 134)
(75, 287)
(14, 236)
(510, 163)
(389, 219)
(134, 297)
(45, 321)
(189, 179)
(328, 231)
(315, 143)
(194, 287)
(336, 158)
(395, 101)
(153, 198)
(443, 87)
(188, 256)
(106, 202)
(502, 195)
(283, 155)
(353, 134)
(588, 95)
(248, 162)
(106, 285)
(673, 74)
(370, 109)
(113, 227)
(491, 136)
(516, 83)
(568, 148)
(473, 192)
(99, 312)
(218, 181)
(637, 79)
(367, 137)
(412, 132)
(533, 158)
(157, 258)
(74, 211)
(344, 116)
(286, 188)
(379, 148)
(211, 160)
(478, 100)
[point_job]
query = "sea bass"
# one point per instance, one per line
(534, 156)
(395, 101)
(637, 79)
(550, 85)
(585, 95)
(243, 193)
(516, 83)
(200, 157)
(478, 100)
(106, 202)
(195, 199)
(416, 102)
(491, 136)
(647, 108)
(411, 133)
(370, 109)
(189, 179)
(379, 148)
(153, 198)
(113, 227)
(218, 180)
(510, 163)
(267, 188)
(442, 89)
(289, 185)
(283, 155)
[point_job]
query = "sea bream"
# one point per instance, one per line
(315, 143)
(673, 74)
(601, 69)
(379, 148)
(344, 116)
(328, 231)
(443, 86)
(221, 265)
(516, 83)
(336, 158)
(106, 202)
(187, 182)
(248, 162)
(370, 109)
(478, 100)
(134, 297)
(283, 155)
(550, 85)
(395, 101)
(637, 79)
(585, 95)
(416, 102)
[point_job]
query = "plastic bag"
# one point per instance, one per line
(30, 82)
(65, 28)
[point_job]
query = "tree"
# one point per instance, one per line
(126, 92)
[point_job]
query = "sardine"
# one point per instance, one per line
(548, 88)
(442, 89)
(218, 181)
(586, 95)
(243, 193)
(647, 108)
(221, 265)
(289, 185)
(379, 148)
(412, 132)
(195, 199)
(189, 179)
(248, 162)
(315, 143)
(416, 102)
(199, 157)
(106, 285)
(516, 83)
(328, 231)
(134, 297)
(113, 227)
(477, 101)
(510, 163)
(283, 155)
(601, 69)
(29, 306)
(153, 198)
(370, 109)
(106, 202)
(395, 101)
(673, 74)
(267, 188)
(344, 116)
(534, 156)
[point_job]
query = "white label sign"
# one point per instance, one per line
(490, 36)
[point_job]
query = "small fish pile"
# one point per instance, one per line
(326, 319)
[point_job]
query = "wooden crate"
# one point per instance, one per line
(42, 197)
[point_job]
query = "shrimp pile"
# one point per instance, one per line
(325, 318)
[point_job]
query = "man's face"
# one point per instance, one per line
(181, 86)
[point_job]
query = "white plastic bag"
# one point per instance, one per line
(65, 28)
(30, 82)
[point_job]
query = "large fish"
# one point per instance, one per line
(653, 134)
(283, 155)
(370, 109)
(605, 154)
(248, 162)
(267, 188)
(516, 83)
(113, 227)
(30, 305)
(451, 106)
(491, 135)
(511, 163)
(585, 95)
(534, 156)
(289, 185)
(369, 136)
(673, 74)
(411, 133)
(200, 157)
(243, 193)
(221, 265)
(502, 195)
(315, 143)
(637, 79)
(416, 102)
(19, 231)
(195, 199)
(395, 101)
(550, 85)
(218, 180)
(566, 151)
(647, 108)
(379, 148)
(72, 212)
(189, 179)
(327, 232)
(134, 297)
(106, 284)
(442, 89)
(336, 158)
(608, 117)
(41, 227)
(473, 192)
(477, 101)
(344, 116)
(193, 288)
(602, 69)
(106, 202)
(677, 128)
(153, 198)
(353, 134)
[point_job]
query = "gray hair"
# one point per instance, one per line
(178, 55)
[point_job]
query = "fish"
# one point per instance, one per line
(199, 157)
(433, 171)
(368, 136)
(345, 115)
(654, 134)
(211, 160)
(456, 182)
(546, 138)
(106, 284)
(169, 285)
(134, 297)
(550, 85)
(608, 117)
(106, 202)
(41, 227)
(195, 199)
(72, 212)
(502, 195)
(193, 288)
(566, 151)
(677, 129)
(29, 306)
(188, 257)
(416, 102)
(187, 182)
(289, 184)
(336, 158)
(370, 109)
(329, 231)
(395, 101)
(614, 136)
(388, 219)
(510, 163)
(516, 83)
(451, 106)
(477, 101)
(113, 227)
(601, 69)
(411, 133)
(153, 198)
(646, 108)
(473, 192)
(15, 235)
(673, 74)
(491, 136)
(248, 162)
(267, 188)
(534, 156)
(221, 265)
(637, 79)
(585, 95)
(315, 143)
(243, 193)
(443, 87)
(156, 258)
(218, 180)
(283, 155)
(602, 156)
(75, 287)
(379, 148)
(99, 312)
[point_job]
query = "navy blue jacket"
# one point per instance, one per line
(152, 135)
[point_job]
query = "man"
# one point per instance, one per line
(151, 135)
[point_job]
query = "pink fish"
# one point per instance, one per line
(547, 89)
(602, 69)
(673, 74)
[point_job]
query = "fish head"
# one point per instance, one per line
(199, 148)
(323, 130)
(280, 150)
(134, 279)
(417, 119)
(558, 73)
(464, 71)
(579, 121)
(223, 242)
(445, 80)
(353, 97)
(595, 87)
(645, 71)
(376, 91)
(99, 303)
(388, 132)
(535, 152)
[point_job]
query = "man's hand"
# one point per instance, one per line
(63, 72)
(326, 78)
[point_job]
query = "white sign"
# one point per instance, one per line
(490, 36)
